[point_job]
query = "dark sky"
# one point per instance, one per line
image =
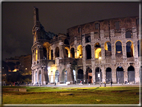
(17, 20)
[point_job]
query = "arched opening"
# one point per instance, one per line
(57, 52)
(118, 47)
(64, 76)
(80, 75)
(120, 75)
(87, 39)
(66, 42)
(39, 77)
(72, 52)
(44, 53)
(129, 49)
(131, 74)
(56, 76)
(88, 52)
(98, 75)
(79, 51)
(128, 34)
(89, 75)
(67, 52)
(97, 50)
(51, 71)
(46, 50)
(107, 49)
(108, 75)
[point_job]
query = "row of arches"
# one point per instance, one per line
(48, 53)
(98, 75)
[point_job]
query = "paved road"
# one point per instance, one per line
(89, 85)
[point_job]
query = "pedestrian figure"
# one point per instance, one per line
(111, 83)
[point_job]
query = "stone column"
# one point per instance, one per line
(135, 49)
(54, 52)
(113, 74)
(69, 73)
(123, 31)
(102, 53)
(125, 74)
(32, 77)
(92, 51)
(93, 69)
(137, 73)
(124, 50)
(113, 53)
(84, 62)
(61, 50)
(43, 75)
(38, 76)
(101, 34)
(103, 74)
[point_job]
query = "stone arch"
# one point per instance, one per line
(47, 50)
(88, 51)
(89, 75)
(120, 75)
(131, 74)
(98, 75)
(57, 52)
(97, 49)
(72, 53)
(80, 75)
(118, 47)
(79, 51)
(107, 48)
(108, 75)
(129, 49)
(67, 52)
(64, 76)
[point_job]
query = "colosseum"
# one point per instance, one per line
(99, 51)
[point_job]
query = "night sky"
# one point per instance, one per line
(17, 20)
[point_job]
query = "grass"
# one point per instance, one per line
(85, 95)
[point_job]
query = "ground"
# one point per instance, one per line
(87, 94)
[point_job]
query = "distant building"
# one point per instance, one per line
(99, 51)
(20, 63)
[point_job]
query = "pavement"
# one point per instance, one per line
(88, 85)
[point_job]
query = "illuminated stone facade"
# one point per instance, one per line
(75, 57)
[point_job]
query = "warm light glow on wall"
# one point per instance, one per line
(106, 47)
(52, 68)
(68, 51)
(48, 49)
(97, 52)
(36, 54)
(79, 51)
(34, 37)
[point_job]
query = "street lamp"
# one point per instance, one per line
(99, 71)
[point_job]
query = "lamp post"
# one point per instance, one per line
(100, 72)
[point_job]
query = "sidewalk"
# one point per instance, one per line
(91, 85)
